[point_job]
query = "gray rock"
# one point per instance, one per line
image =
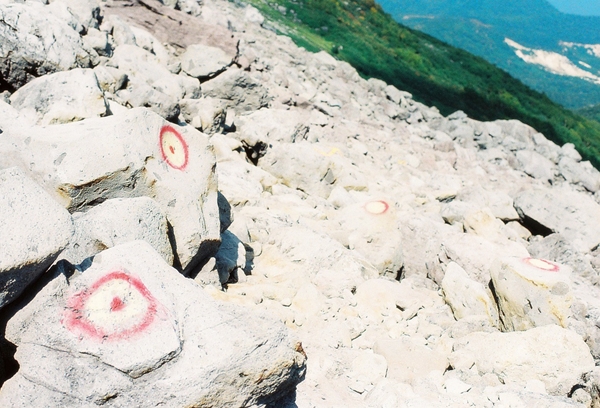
(270, 125)
(99, 41)
(580, 173)
(131, 331)
(140, 155)
(61, 97)
(371, 228)
(531, 292)
(34, 228)
(230, 259)
(535, 165)
(205, 114)
(551, 354)
(203, 61)
(556, 248)
(242, 92)
(110, 79)
(28, 36)
(118, 221)
(143, 95)
(86, 11)
(570, 213)
(120, 30)
(467, 297)
(408, 361)
(568, 150)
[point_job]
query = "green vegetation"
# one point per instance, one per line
(480, 27)
(590, 112)
(361, 33)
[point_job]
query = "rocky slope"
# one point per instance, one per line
(196, 212)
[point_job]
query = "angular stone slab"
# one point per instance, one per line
(371, 228)
(531, 292)
(118, 221)
(156, 338)
(28, 36)
(203, 61)
(135, 154)
(61, 97)
(558, 357)
(571, 213)
(467, 297)
(35, 228)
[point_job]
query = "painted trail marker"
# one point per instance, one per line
(377, 207)
(531, 292)
(116, 306)
(173, 148)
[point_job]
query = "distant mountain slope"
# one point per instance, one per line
(482, 27)
(360, 32)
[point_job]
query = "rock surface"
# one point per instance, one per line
(141, 332)
(35, 230)
(385, 237)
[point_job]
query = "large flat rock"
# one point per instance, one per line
(571, 213)
(131, 331)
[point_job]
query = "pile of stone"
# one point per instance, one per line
(192, 205)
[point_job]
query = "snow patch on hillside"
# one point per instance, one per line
(552, 62)
(592, 49)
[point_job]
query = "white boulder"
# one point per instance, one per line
(35, 229)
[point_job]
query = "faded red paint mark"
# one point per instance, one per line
(117, 304)
(173, 148)
(542, 264)
(377, 207)
(77, 318)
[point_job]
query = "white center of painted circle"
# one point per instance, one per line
(541, 264)
(376, 207)
(173, 149)
(116, 306)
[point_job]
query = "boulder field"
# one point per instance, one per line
(196, 212)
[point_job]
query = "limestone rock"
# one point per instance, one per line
(118, 221)
(62, 97)
(241, 91)
(139, 155)
(465, 296)
(531, 292)
(580, 173)
(409, 361)
(551, 354)
(536, 165)
(34, 228)
(371, 228)
(28, 36)
(203, 61)
(86, 11)
(130, 330)
(562, 210)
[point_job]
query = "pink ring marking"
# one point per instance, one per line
(376, 207)
(75, 320)
(542, 264)
(171, 129)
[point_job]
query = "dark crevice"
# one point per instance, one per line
(171, 235)
(534, 226)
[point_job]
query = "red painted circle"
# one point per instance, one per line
(548, 266)
(76, 318)
(167, 129)
(376, 207)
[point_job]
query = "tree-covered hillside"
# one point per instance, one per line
(481, 26)
(361, 33)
